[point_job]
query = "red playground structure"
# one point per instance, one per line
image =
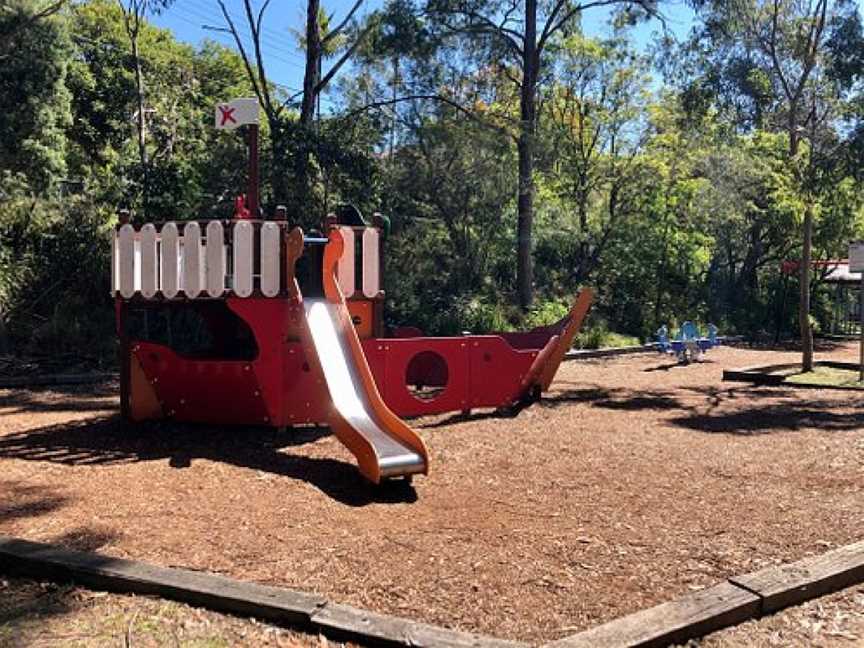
(249, 322)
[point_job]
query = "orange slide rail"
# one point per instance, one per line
(359, 444)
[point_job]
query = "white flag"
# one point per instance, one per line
(236, 113)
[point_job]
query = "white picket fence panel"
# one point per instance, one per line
(244, 242)
(172, 263)
(149, 261)
(193, 266)
(270, 270)
(371, 263)
(215, 258)
(127, 260)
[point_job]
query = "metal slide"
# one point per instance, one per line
(383, 444)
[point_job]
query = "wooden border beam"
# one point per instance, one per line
(301, 610)
(729, 603)
(739, 599)
(694, 615)
(787, 585)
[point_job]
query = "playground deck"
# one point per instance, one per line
(636, 481)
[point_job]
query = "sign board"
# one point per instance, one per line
(856, 257)
(236, 113)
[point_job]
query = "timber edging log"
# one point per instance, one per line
(729, 603)
(739, 599)
(300, 610)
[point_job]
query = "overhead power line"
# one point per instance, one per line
(239, 16)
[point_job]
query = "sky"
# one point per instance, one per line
(283, 20)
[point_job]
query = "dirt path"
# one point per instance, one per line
(634, 482)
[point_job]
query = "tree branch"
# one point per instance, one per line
(428, 97)
(256, 42)
(232, 29)
(343, 59)
(335, 32)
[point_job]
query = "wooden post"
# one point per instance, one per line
(861, 329)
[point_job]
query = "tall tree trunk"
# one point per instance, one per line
(4, 335)
(806, 249)
(313, 63)
(141, 123)
(305, 210)
(804, 309)
(525, 148)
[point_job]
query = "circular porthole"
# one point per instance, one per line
(426, 376)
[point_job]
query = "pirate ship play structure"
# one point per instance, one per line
(251, 322)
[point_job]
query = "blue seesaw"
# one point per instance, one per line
(690, 345)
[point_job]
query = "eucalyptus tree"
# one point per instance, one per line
(135, 13)
(780, 57)
(518, 36)
(594, 129)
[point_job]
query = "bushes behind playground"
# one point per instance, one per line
(598, 337)
(476, 315)
(54, 274)
(54, 277)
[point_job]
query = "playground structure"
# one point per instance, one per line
(251, 322)
(690, 345)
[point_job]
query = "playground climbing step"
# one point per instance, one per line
(297, 609)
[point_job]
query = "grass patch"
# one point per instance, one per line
(600, 338)
(828, 377)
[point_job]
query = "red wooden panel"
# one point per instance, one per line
(496, 371)
(399, 352)
(376, 357)
(305, 397)
(205, 391)
(269, 320)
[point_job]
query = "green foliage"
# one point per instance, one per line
(546, 313)
(35, 99)
(54, 274)
(598, 336)
(675, 202)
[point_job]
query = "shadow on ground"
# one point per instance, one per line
(757, 409)
(787, 416)
(24, 501)
(614, 398)
(72, 398)
(30, 602)
(105, 441)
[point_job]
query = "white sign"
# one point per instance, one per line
(856, 257)
(237, 113)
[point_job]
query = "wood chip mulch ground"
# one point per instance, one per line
(835, 621)
(45, 615)
(636, 481)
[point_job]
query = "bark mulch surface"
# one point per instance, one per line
(636, 481)
(835, 621)
(51, 616)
